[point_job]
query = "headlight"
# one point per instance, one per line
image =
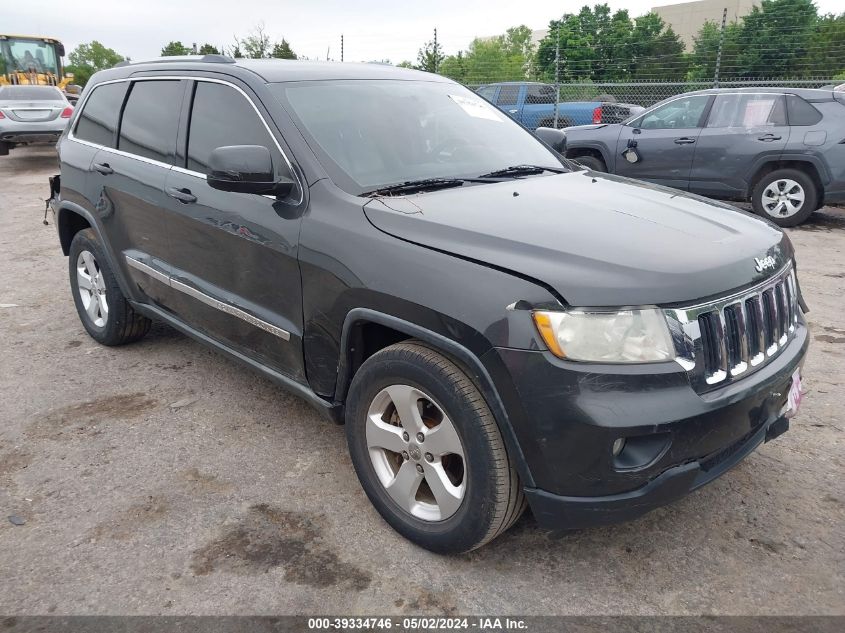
(626, 336)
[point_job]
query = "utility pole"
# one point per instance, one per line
(721, 43)
(557, 70)
(341, 47)
(435, 50)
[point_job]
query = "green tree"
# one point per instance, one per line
(597, 45)
(506, 57)
(774, 39)
(256, 45)
(282, 50)
(208, 49)
(827, 46)
(455, 67)
(405, 64)
(430, 56)
(175, 48)
(86, 59)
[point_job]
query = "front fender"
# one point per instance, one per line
(462, 356)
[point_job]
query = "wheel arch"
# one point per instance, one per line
(591, 149)
(807, 164)
(392, 329)
(72, 218)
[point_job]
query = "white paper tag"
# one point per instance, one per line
(477, 108)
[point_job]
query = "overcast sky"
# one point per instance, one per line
(373, 29)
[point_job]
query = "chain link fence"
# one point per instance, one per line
(647, 93)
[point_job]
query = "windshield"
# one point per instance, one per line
(374, 133)
(28, 56)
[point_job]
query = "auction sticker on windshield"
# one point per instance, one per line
(477, 108)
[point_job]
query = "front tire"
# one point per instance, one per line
(591, 162)
(428, 451)
(105, 313)
(787, 197)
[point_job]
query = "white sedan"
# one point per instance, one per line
(31, 114)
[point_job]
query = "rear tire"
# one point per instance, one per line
(4, 148)
(591, 162)
(787, 197)
(105, 313)
(411, 389)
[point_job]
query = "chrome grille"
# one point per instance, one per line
(725, 339)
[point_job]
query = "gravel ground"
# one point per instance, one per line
(162, 478)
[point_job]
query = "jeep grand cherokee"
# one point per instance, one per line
(495, 326)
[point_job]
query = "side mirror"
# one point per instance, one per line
(246, 169)
(556, 139)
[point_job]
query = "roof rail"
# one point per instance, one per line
(212, 59)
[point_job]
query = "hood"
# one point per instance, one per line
(596, 239)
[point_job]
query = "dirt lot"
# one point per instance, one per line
(162, 478)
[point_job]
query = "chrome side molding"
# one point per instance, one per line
(207, 299)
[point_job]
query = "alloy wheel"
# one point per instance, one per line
(92, 288)
(783, 198)
(416, 453)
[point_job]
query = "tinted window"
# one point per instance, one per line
(98, 119)
(222, 116)
(800, 112)
(30, 93)
(487, 92)
(540, 94)
(678, 114)
(747, 111)
(508, 95)
(151, 119)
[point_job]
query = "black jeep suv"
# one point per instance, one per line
(496, 327)
(781, 148)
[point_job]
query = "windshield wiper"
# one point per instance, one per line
(522, 170)
(425, 184)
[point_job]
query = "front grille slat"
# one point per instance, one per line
(728, 338)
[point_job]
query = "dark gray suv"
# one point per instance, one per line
(495, 327)
(782, 149)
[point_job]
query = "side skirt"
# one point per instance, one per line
(331, 411)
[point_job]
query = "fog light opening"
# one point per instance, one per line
(618, 446)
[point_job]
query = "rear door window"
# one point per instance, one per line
(151, 119)
(222, 116)
(508, 95)
(540, 94)
(97, 122)
(743, 110)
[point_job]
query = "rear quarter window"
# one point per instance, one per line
(97, 122)
(151, 119)
(800, 112)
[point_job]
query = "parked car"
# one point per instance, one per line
(31, 114)
(780, 148)
(495, 328)
(533, 105)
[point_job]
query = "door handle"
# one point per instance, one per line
(103, 168)
(684, 140)
(513, 111)
(768, 137)
(182, 195)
